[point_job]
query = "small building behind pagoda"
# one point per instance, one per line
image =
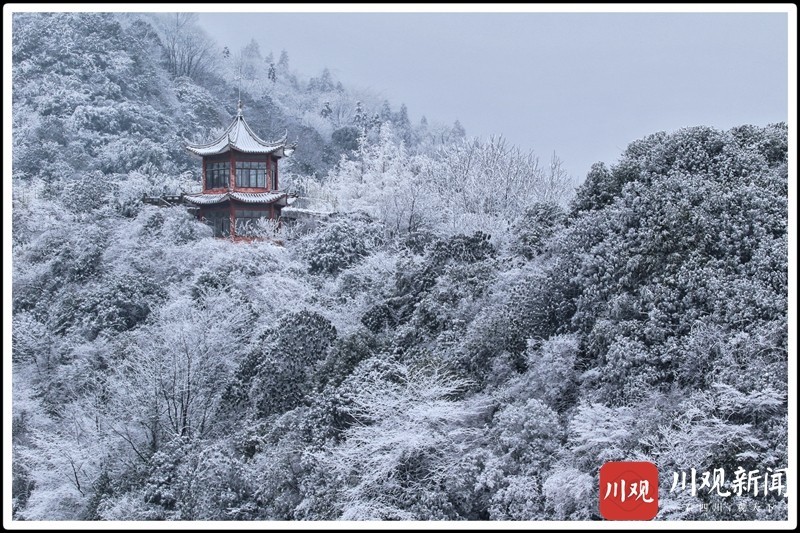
(240, 180)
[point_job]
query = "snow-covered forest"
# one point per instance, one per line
(470, 338)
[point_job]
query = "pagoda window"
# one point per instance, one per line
(247, 221)
(251, 174)
(273, 175)
(220, 222)
(217, 174)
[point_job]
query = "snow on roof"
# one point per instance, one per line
(302, 207)
(298, 212)
(206, 199)
(257, 197)
(239, 136)
(246, 197)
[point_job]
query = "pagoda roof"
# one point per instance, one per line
(245, 197)
(239, 136)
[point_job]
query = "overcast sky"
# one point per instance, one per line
(581, 84)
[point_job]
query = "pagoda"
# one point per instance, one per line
(240, 180)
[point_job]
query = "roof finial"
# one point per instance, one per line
(239, 112)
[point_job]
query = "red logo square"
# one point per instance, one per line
(628, 490)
